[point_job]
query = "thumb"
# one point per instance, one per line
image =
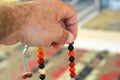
(67, 38)
(70, 37)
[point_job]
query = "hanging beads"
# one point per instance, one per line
(71, 59)
(41, 63)
(24, 76)
(27, 73)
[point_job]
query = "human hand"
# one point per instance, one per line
(44, 23)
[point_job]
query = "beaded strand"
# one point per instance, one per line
(41, 64)
(71, 59)
(27, 74)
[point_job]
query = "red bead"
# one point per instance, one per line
(30, 75)
(72, 64)
(41, 61)
(72, 69)
(25, 76)
(71, 53)
(73, 75)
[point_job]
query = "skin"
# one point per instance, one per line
(39, 23)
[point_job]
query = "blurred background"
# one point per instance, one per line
(97, 47)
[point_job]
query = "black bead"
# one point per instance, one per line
(71, 58)
(70, 47)
(41, 66)
(42, 76)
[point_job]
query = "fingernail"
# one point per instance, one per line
(70, 38)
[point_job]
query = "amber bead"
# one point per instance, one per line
(30, 75)
(71, 53)
(72, 64)
(41, 71)
(41, 61)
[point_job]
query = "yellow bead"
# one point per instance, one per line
(41, 71)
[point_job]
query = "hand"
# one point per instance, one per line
(44, 23)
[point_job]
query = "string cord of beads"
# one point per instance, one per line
(27, 74)
(72, 61)
(41, 64)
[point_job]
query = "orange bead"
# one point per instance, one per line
(72, 69)
(40, 53)
(71, 53)
(40, 56)
(40, 50)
